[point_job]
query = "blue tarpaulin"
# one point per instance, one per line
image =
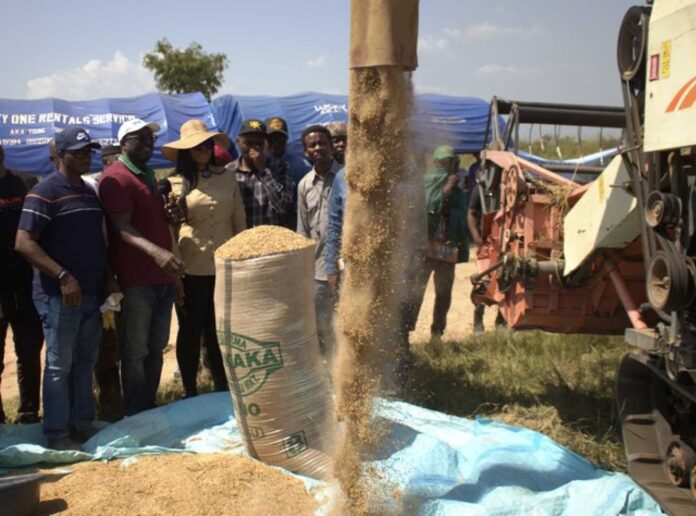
(300, 111)
(26, 126)
(438, 119)
(435, 463)
(598, 159)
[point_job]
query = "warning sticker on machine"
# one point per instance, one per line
(665, 59)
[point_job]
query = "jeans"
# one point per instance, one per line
(325, 302)
(19, 313)
(72, 337)
(196, 321)
(143, 333)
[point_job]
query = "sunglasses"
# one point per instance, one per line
(206, 145)
(142, 138)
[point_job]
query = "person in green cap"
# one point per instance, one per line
(448, 234)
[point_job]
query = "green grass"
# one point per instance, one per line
(561, 385)
(9, 406)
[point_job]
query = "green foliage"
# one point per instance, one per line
(185, 70)
(560, 385)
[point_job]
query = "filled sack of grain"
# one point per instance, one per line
(265, 320)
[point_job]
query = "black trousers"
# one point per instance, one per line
(196, 322)
(19, 313)
(444, 281)
(108, 378)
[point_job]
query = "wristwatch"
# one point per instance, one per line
(64, 273)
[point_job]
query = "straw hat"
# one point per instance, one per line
(193, 132)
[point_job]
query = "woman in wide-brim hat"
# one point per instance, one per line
(213, 212)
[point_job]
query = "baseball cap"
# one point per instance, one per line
(252, 126)
(276, 125)
(443, 152)
(135, 125)
(74, 138)
(110, 150)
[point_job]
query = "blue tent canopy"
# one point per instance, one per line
(300, 111)
(26, 126)
(438, 119)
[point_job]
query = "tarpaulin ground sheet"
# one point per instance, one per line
(439, 464)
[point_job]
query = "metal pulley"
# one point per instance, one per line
(662, 210)
(670, 281)
(515, 186)
(633, 40)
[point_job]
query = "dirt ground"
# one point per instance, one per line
(459, 324)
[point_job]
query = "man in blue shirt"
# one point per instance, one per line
(60, 233)
(339, 140)
(337, 201)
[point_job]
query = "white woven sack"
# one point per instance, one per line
(265, 319)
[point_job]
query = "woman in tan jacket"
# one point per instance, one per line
(212, 212)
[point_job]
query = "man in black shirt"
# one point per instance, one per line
(16, 307)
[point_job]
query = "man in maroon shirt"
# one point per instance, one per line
(142, 258)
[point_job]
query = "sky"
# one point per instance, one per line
(534, 50)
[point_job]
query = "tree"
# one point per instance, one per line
(185, 70)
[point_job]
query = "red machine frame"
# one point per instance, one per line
(520, 261)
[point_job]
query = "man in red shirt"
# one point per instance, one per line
(143, 261)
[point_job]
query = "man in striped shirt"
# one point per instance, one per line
(61, 234)
(267, 196)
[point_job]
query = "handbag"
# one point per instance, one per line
(439, 248)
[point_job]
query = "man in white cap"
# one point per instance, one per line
(142, 258)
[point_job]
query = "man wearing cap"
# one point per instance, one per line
(313, 195)
(109, 155)
(446, 206)
(142, 258)
(339, 140)
(281, 161)
(267, 199)
(277, 129)
(60, 234)
(16, 307)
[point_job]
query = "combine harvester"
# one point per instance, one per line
(616, 254)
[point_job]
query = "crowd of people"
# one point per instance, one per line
(144, 246)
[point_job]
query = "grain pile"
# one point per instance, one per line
(368, 314)
(261, 241)
(266, 326)
(177, 484)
